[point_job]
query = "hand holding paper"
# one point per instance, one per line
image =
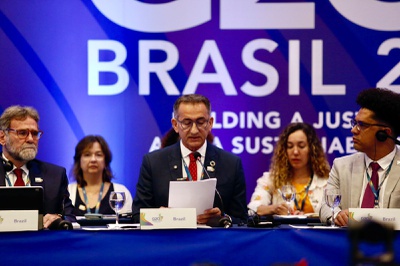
(199, 194)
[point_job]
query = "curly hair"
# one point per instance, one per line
(384, 103)
(280, 168)
(85, 144)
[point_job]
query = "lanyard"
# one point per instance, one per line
(98, 201)
(376, 191)
(305, 197)
(187, 170)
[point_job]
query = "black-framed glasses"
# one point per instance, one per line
(201, 123)
(362, 125)
(24, 133)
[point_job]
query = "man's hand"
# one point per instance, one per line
(203, 218)
(342, 218)
(48, 219)
(281, 209)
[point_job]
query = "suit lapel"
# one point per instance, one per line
(210, 162)
(175, 162)
(2, 174)
(2, 177)
(392, 179)
(357, 176)
(35, 174)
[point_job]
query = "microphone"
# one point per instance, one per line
(8, 165)
(59, 223)
(382, 136)
(224, 221)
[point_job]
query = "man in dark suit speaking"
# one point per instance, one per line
(192, 121)
(19, 136)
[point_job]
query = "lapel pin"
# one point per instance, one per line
(210, 169)
(38, 179)
(175, 166)
(212, 163)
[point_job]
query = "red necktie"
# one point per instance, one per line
(369, 199)
(19, 182)
(193, 167)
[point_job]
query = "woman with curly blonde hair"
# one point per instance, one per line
(298, 160)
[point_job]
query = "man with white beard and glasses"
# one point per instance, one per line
(19, 137)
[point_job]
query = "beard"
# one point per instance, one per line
(25, 152)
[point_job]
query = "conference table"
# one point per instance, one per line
(281, 245)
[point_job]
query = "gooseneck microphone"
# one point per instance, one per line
(382, 136)
(224, 221)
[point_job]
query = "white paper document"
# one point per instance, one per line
(197, 194)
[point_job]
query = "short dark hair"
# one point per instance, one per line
(81, 147)
(193, 99)
(384, 103)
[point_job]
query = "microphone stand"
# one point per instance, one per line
(224, 221)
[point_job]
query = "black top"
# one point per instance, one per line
(80, 206)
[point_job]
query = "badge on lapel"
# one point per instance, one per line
(211, 168)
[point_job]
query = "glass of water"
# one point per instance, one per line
(117, 202)
(332, 199)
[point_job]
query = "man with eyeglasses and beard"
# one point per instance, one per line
(369, 178)
(193, 122)
(19, 136)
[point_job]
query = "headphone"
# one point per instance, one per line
(7, 165)
(382, 136)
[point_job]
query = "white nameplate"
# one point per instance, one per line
(385, 216)
(19, 220)
(168, 218)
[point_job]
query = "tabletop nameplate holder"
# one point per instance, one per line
(168, 218)
(384, 216)
(21, 220)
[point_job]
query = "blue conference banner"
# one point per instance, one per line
(115, 68)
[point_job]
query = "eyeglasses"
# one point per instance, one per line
(362, 125)
(201, 123)
(24, 133)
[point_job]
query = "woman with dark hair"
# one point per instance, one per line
(92, 172)
(298, 160)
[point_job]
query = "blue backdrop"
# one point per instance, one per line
(115, 68)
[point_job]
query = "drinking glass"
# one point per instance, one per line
(332, 199)
(117, 201)
(288, 193)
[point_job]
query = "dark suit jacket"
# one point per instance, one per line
(55, 187)
(165, 165)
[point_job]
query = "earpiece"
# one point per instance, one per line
(381, 135)
(8, 166)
